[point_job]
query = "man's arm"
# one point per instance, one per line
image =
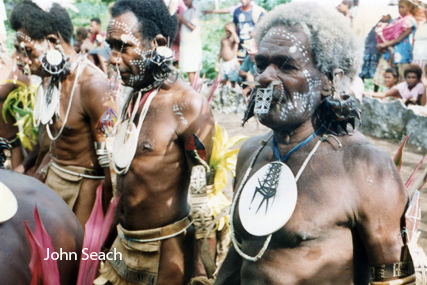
(381, 204)
(96, 100)
(394, 42)
(217, 11)
(199, 120)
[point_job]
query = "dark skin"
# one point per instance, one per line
(154, 191)
(350, 199)
(8, 71)
(60, 223)
(412, 79)
(75, 146)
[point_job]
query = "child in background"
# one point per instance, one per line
(411, 90)
(401, 33)
(387, 35)
(227, 58)
(390, 80)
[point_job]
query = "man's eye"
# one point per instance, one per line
(287, 67)
(260, 67)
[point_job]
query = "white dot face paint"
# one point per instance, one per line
(296, 97)
(33, 50)
(293, 49)
(134, 64)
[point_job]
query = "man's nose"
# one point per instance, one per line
(268, 75)
(115, 57)
(25, 60)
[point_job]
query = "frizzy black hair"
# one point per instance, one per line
(413, 68)
(152, 15)
(38, 23)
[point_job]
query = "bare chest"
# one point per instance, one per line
(324, 203)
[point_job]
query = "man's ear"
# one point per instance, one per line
(159, 41)
(52, 38)
(326, 86)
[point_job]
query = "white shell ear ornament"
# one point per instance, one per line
(54, 61)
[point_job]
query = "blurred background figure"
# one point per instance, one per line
(190, 48)
(82, 37)
(3, 18)
(411, 90)
(176, 41)
(346, 8)
(246, 17)
(399, 35)
(227, 58)
(97, 36)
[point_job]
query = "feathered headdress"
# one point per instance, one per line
(46, 5)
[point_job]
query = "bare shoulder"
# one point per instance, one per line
(372, 169)
(188, 102)
(249, 147)
(93, 81)
(94, 91)
(360, 151)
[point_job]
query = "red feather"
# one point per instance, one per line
(96, 231)
(43, 271)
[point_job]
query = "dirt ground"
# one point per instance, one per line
(412, 156)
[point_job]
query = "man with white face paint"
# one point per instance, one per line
(312, 205)
(70, 104)
(162, 117)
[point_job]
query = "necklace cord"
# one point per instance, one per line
(79, 70)
(239, 191)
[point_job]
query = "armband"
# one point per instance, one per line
(393, 270)
(102, 154)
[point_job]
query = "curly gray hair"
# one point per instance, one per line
(332, 42)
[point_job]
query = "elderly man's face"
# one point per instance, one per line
(127, 50)
(30, 52)
(284, 56)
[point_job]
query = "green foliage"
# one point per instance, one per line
(20, 104)
(270, 4)
(88, 10)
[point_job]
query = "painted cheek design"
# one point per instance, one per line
(302, 102)
(141, 63)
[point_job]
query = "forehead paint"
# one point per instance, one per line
(43, 46)
(24, 37)
(126, 38)
(297, 45)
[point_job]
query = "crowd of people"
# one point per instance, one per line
(124, 163)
